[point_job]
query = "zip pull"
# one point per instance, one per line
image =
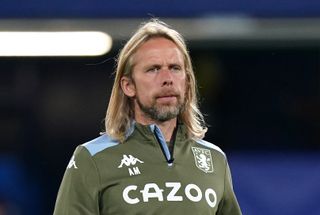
(168, 152)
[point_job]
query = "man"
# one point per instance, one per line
(152, 159)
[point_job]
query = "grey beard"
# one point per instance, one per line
(161, 114)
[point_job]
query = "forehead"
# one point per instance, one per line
(157, 49)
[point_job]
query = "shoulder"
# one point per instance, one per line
(99, 144)
(209, 145)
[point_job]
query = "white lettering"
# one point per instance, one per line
(136, 171)
(125, 195)
(207, 196)
(152, 190)
(131, 173)
(172, 195)
(188, 189)
(146, 194)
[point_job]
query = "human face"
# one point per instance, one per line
(159, 81)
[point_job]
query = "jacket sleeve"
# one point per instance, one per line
(229, 204)
(79, 193)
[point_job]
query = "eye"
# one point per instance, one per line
(153, 69)
(176, 68)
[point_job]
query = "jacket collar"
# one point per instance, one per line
(149, 131)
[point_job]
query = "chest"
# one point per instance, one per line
(143, 182)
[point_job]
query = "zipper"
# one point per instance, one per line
(162, 142)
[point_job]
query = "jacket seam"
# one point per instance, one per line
(224, 185)
(96, 168)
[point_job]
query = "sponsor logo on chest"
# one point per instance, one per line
(134, 194)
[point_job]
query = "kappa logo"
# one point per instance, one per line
(72, 163)
(129, 160)
(203, 159)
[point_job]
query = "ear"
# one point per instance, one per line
(128, 86)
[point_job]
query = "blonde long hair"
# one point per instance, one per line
(120, 114)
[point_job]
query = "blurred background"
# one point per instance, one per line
(258, 69)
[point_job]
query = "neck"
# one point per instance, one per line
(166, 127)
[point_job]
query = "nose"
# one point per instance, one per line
(166, 77)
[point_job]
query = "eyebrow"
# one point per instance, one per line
(160, 65)
(175, 64)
